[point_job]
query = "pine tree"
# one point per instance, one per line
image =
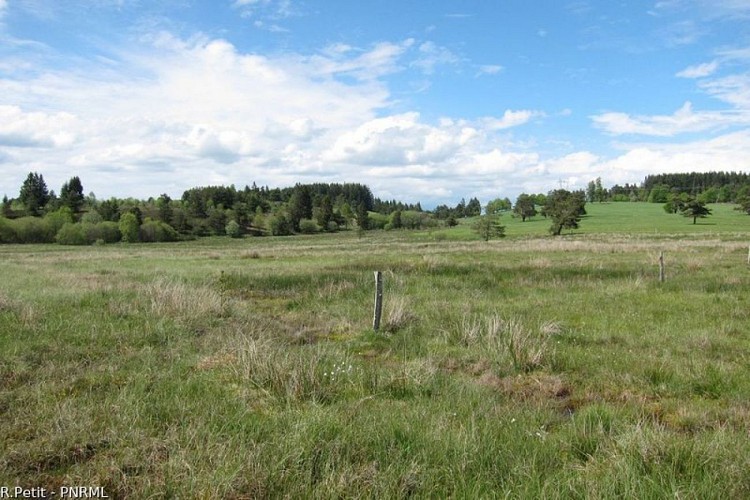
(34, 194)
(71, 194)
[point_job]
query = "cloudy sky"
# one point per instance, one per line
(425, 101)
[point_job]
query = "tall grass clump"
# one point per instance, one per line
(181, 300)
(399, 315)
(507, 343)
(292, 375)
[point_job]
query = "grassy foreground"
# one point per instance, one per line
(528, 367)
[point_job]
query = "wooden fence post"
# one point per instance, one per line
(661, 267)
(378, 300)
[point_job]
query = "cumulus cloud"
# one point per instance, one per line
(728, 152)
(396, 140)
(35, 129)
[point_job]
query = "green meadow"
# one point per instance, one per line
(527, 367)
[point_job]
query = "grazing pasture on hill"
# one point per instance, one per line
(525, 367)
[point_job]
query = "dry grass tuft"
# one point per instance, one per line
(332, 289)
(6, 304)
(399, 316)
(176, 299)
(506, 341)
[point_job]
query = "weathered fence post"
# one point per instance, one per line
(378, 300)
(661, 267)
(748, 255)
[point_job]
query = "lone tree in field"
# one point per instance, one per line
(676, 203)
(695, 209)
(565, 209)
(525, 207)
(488, 226)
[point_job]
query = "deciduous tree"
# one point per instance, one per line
(525, 207)
(565, 208)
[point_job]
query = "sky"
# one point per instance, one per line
(428, 101)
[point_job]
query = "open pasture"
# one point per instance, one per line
(528, 367)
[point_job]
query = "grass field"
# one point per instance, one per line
(531, 367)
(621, 218)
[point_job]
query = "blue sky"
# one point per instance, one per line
(423, 101)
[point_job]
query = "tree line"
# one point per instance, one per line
(39, 214)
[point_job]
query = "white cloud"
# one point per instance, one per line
(489, 69)
(266, 9)
(511, 119)
(19, 129)
(683, 120)
(431, 55)
(382, 59)
(733, 89)
(396, 140)
(699, 71)
(729, 152)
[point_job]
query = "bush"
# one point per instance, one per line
(377, 221)
(233, 229)
(307, 226)
(92, 217)
(109, 232)
(72, 234)
(86, 233)
(128, 226)
(279, 225)
(33, 230)
(58, 219)
(155, 231)
(7, 231)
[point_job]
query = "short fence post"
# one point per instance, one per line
(748, 255)
(661, 267)
(378, 300)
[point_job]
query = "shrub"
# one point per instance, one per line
(58, 219)
(33, 230)
(7, 231)
(233, 229)
(377, 221)
(128, 226)
(279, 225)
(155, 231)
(308, 226)
(109, 232)
(92, 217)
(72, 234)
